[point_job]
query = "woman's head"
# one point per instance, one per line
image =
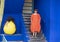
(35, 11)
(10, 19)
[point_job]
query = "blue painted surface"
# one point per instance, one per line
(50, 13)
(0, 38)
(55, 21)
(43, 7)
(13, 8)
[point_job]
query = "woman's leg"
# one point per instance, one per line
(33, 33)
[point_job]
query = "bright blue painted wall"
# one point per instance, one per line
(55, 21)
(43, 7)
(50, 13)
(14, 8)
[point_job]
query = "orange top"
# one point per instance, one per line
(35, 22)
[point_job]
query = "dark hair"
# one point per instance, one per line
(35, 9)
(10, 19)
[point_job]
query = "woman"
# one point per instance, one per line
(35, 23)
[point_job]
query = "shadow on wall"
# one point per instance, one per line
(45, 22)
(43, 7)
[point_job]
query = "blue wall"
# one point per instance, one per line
(55, 21)
(13, 8)
(43, 7)
(50, 13)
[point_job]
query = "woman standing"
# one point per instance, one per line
(35, 23)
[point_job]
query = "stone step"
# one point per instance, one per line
(27, 8)
(27, 4)
(37, 41)
(28, 0)
(28, 29)
(27, 11)
(28, 32)
(26, 18)
(27, 22)
(26, 15)
(15, 41)
(27, 26)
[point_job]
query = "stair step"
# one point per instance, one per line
(38, 41)
(27, 26)
(26, 14)
(27, 4)
(28, 29)
(15, 41)
(28, 32)
(30, 8)
(28, 0)
(26, 17)
(26, 21)
(27, 11)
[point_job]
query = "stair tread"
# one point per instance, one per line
(27, 8)
(27, 4)
(26, 14)
(28, 0)
(27, 11)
